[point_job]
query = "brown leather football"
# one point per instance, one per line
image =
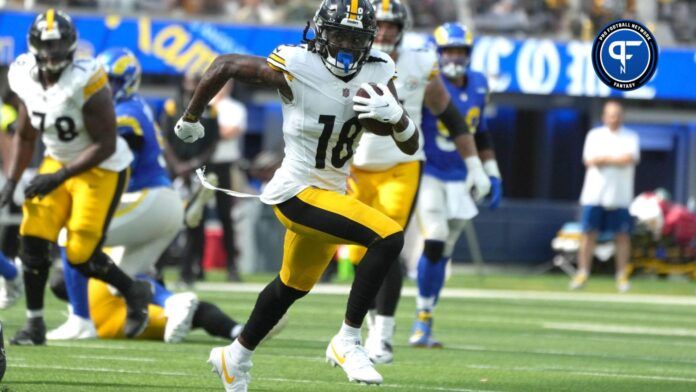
(372, 125)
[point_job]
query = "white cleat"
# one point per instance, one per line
(379, 350)
(179, 310)
(12, 290)
(353, 359)
(75, 328)
(235, 377)
(196, 206)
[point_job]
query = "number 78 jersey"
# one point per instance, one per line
(320, 127)
(56, 112)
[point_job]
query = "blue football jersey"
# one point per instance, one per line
(441, 157)
(134, 117)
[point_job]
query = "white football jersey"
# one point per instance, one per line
(415, 69)
(320, 127)
(56, 112)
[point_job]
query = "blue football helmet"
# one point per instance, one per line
(123, 70)
(453, 35)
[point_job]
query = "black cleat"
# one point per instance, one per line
(33, 333)
(3, 358)
(137, 299)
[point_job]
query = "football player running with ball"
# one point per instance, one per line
(67, 102)
(445, 205)
(317, 83)
(385, 178)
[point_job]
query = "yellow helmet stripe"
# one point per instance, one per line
(50, 18)
(385, 5)
(353, 13)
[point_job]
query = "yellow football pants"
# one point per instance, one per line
(108, 313)
(83, 204)
(393, 192)
(317, 221)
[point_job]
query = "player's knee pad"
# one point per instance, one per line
(81, 246)
(35, 254)
(433, 250)
(98, 266)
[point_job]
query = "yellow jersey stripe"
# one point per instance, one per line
(130, 122)
(95, 83)
(434, 71)
(277, 58)
(275, 65)
(50, 19)
(353, 13)
(385, 5)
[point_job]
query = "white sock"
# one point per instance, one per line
(236, 330)
(425, 303)
(34, 313)
(385, 325)
(239, 353)
(349, 333)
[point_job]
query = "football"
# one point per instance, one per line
(372, 125)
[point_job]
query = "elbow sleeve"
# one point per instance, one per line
(484, 141)
(453, 120)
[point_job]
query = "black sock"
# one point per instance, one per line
(213, 320)
(35, 255)
(370, 274)
(101, 267)
(271, 305)
(389, 294)
(34, 287)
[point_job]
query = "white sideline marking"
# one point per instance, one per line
(421, 388)
(621, 329)
(593, 373)
(480, 294)
(127, 359)
(180, 374)
(104, 370)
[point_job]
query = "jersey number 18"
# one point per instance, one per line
(349, 132)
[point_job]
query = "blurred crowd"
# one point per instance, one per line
(565, 19)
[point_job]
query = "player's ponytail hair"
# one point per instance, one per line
(310, 42)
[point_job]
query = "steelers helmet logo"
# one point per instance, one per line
(624, 55)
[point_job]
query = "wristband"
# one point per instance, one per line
(406, 134)
(491, 168)
(188, 117)
(473, 163)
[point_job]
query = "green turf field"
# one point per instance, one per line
(502, 333)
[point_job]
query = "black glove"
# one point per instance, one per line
(44, 184)
(7, 192)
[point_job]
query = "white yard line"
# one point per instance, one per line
(593, 373)
(114, 358)
(104, 370)
(398, 386)
(621, 329)
(559, 296)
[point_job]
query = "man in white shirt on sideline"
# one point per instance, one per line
(611, 154)
(232, 121)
